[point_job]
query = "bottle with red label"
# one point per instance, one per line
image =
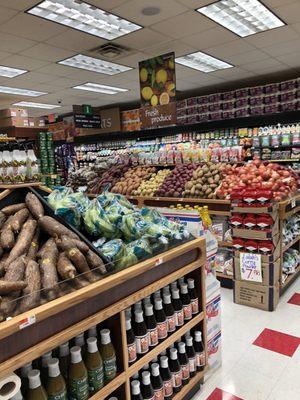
(151, 325)
(146, 387)
(136, 390)
(193, 296)
(178, 308)
(186, 302)
(161, 319)
(184, 363)
(157, 382)
(166, 377)
(131, 345)
(175, 370)
(199, 349)
(141, 333)
(170, 313)
(191, 354)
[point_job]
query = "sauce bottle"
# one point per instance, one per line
(157, 382)
(136, 391)
(146, 387)
(181, 281)
(161, 319)
(141, 333)
(77, 378)
(174, 285)
(190, 352)
(151, 325)
(131, 344)
(146, 300)
(166, 377)
(92, 332)
(170, 313)
(44, 370)
(94, 366)
(156, 295)
(79, 341)
(184, 363)
(138, 306)
(64, 359)
(178, 308)
(18, 396)
(175, 370)
(199, 349)
(166, 290)
(56, 385)
(186, 302)
(35, 391)
(128, 313)
(108, 355)
(193, 296)
(24, 376)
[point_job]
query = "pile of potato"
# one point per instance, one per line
(149, 188)
(36, 252)
(204, 182)
(132, 179)
(107, 179)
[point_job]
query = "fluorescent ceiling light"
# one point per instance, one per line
(21, 92)
(95, 87)
(9, 72)
(202, 62)
(36, 105)
(84, 17)
(94, 64)
(243, 17)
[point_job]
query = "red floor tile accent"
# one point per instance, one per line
(295, 299)
(219, 394)
(278, 342)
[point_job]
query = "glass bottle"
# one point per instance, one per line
(18, 396)
(178, 308)
(151, 325)
(200, 352)
(128, 313)
(166, 377)
(170, 313)
(56, 386)
(44, 370)
(190, 352)
(141, 333)
(136, 391)
(186, 302)
(138, 306)
(146, 387)
(174, 285)
(35, 391)
(193, 296)
(161, 319)
(108, 355)
(24, 376)
(78, 387)
(92, 332)
(131, 343)
(175, 369)
(64, 359)
(184, 363)
(94, 366)
(146, 300)
(181, 281)
(80, 341)
(157, 382)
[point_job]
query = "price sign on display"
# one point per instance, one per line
(250, 266)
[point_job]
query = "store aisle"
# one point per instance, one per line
(261, 352)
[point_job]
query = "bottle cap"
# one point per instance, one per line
(166, 290)
(34, 379)
(79, 340)
(191, 283)
(136, 376)
(92, 332)
(146, 367)
(175, 294)
(146, 378)
(148, 309)
(155, 369)
(128, 324)
(64, 349)
(184, 288)
(75, 354)
(189, 340)
(181, 347)
(135, 387)
(128, 312)
(156, 294)
(164, 362)
(138, 316)
(105, 336)
(154, 360)
(92, 345)
(181, 280)
(173, 285)
(45, 359)
(198, 336)
(158, 304)
(138, 306)
(173, 354)
(53, 367)
(17, 396)
(147, 300)
(163, 353)
(167, 299)
(25, 369)
(187, 334)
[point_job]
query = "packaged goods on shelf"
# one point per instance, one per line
(224, 262)
(291, 260)
(131, 120)
(291, 229)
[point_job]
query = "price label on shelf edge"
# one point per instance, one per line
(250, 267)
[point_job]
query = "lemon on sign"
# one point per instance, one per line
(171, 64)
(143, 75)
(154, 100)
(147, 93)
(170, 87)
(164, 98)
(161, 76)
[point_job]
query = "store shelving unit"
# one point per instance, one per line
(60, 320)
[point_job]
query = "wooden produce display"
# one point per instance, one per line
(35, 332)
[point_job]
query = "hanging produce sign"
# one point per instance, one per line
(250, 266)
(158, 91)
(110, 121)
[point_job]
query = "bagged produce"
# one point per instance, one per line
(65, 206)
(113, 250)
(96, 221)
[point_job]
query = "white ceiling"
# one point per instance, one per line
(31, 43)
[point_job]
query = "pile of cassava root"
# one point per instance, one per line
(36, 253)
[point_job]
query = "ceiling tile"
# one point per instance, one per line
(283, 48)
(14, 44)
(6, 14)
(3, 55)
(209, 38)
(232, 74)
(46, 52)
(107, 4)
(57, 70)
(203, 79)
(178, 47)
(247, 57)
(193, 4)
(289, 13)
(132, 60)
(229, 49)
(20, 4)
(19, 61)
(35, 77)
(132, 10)
(31, 27)
(142, 39)
(272, 36)
(193, 23)
(257, 66)
(277, 3)
(75, 40)
(291, 60)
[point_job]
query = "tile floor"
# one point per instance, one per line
(260, 352)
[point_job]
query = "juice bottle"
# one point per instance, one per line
(146, 387)
(64, 359)
(157, 382)
(199, 349)
(94, 366)
(77, 378)
(190, 352)
(166, 377)
(108, 355)
(151, 325)
(175, 369)
(193, 296)
(92, 332)
(36, 391)
(131, 343)
(56, 385)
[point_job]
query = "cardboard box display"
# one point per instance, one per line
(270, 272)
(14, 121)
(213, 314)
(272, 209)
(190, 219)
(257, 234)
(13, 112)
(214, 351)
(256, 295)
(265, 258)
(36, 122)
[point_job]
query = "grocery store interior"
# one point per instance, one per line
(149, 199)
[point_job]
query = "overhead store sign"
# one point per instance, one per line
(86, 117)
(110, 121)
(250, 266)
(158, 91)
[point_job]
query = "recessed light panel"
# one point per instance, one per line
(202, 62)
(9, 72)
(21, 92)
(36, 105)
(243, 17)
(95, 87)
(94, 64)
(84, 17)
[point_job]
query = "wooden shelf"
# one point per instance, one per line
(287, 246)
(119, 380)
(291, 278)
(187, 388)
(20, 185)
(224, 276)
(224, 244)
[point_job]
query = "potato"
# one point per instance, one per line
(55, 228)
(2, 219)
(9, 210)
(65, 268)
(32, 292)
(34, 205)
(7, 287)
(217, 178)
(18, 219)
(210, 180)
